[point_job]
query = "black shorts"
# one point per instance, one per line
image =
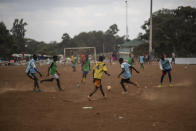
(125, 80)
(32, 76)
(166, 71)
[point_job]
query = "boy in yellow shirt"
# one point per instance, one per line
(98, 70)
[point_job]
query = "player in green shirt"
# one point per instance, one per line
(85, 66)
(130, 61)
(52, 70)
(74, 61)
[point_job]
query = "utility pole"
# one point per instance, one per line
(126, 5)
(150, 37)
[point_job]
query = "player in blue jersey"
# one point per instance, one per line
(166, 69)
(141, 60)
(31, 70)
(126, 75)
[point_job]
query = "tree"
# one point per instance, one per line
(173, 31)
(5, 42)
(18, 33)
(113, 30)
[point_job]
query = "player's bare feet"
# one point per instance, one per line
(125, 92)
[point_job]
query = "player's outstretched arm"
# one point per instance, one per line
(35, 68)
(38, 72)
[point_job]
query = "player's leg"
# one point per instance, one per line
(101, 89)
(95, 89)
(58, 84)
(83, 76)
(162, 76)
(130, 82)
(49, 80)
(97, 84)
(122, 84)
(36, 85)
(143, 66)
(169, 75)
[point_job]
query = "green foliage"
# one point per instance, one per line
(173, 31)
(16, 42)
(18, 34)
(5, 42)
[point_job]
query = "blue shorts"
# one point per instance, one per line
(85, 72)
(73, 65)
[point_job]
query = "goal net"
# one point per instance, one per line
(79, 52)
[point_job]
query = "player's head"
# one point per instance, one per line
(86, 56)
(101, 58)
(55, 58)
(35, 57)
(163, 55)
(121, 60)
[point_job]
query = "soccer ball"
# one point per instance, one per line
(109, 88)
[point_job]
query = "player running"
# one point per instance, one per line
(85, 68)
(126, 75)
(98, 70)
(52, 70)
(31, 70)
(166, 68)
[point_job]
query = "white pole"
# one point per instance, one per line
(150, 37)
(64, 54)
(127, 36)
(95, 54)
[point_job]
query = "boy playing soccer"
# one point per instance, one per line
(166, 68)
(31, 70)
(141, 60)
(126, 74)
(85, 68)
(98, 70)
(52, 70)
(74, 60)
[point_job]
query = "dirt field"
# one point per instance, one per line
(143, 109)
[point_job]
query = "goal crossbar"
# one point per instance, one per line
(76, 48)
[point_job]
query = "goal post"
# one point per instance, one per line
(77, 51)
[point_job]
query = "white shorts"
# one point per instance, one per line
(55, 76)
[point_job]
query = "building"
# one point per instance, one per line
(128, 47)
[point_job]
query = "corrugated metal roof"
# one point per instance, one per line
(133, 43)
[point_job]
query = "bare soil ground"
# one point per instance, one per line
(147, 108)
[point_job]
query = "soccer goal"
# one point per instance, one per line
(78, 51)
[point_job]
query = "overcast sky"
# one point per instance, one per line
(49, 19)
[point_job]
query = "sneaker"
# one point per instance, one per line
(171, 85)
(60, 89)
(160, 86)
(89, 98)
(34, 90)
